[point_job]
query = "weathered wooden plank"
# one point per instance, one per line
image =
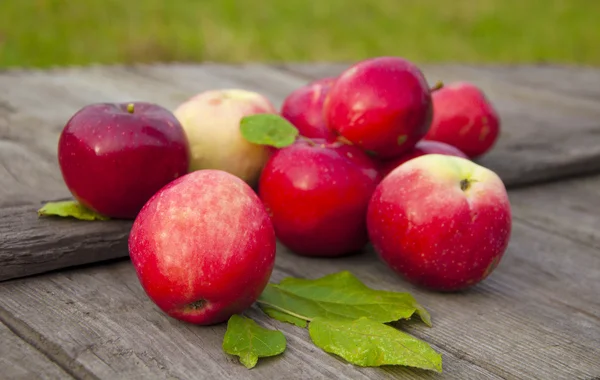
(31, 245)
(32, 114)
(20, 361)
(547, 133)
(577, 82)
(569, 208)
(535, 317)
(37, 104)
(104, 321)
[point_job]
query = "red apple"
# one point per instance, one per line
(465, 118)
(211, 120)
(303, 108)
(317, 193)
(423, 147)
(442, 222)
(382, 104)
(203, 247)
(114, 157)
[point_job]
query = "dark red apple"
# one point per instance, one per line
(465, 118)
(114, 157)
(382, 104)
(423, 147)
(317, 193)
(203, 247)
(303, 108)
(442, 222)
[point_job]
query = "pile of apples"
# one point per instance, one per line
(380, 158)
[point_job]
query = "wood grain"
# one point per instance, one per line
(30, 245)
(568, 208)
(32, 114)
(535, 317)
(20, 361)
(536, 144)
(548, 133)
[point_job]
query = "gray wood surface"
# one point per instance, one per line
(570, 208)
(536, 317)
(31, 245)
(20, 361)
(548, 131)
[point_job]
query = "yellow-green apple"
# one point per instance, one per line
(442, 222)
(317, 193)
(381, 104)
(114, 156)
(203, 247)
(423, 147)
(211, 120)
(465, 118)
(303, 107)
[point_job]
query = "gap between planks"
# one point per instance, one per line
(515, 330)
(31, 246)
(21, 361)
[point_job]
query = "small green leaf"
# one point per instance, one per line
(282, 316)
(342, 296)
(70, 209)
(367, 343)
(249, 341)
(268, 129)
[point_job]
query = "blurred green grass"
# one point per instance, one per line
(43, 33)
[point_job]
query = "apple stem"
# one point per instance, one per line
(344, 140)
(130, 108)
(438, 85)
(308, 140)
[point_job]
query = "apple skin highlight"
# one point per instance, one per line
(114, 156)
(317, 194)
(382, 104)
(211, 120)
(203, 247)
(464, 118)
(442, 222)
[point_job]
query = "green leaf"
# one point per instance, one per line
(70, 209)
(367, 343)
(268, 129)
(282, 316)
(342, 296)
(246, 339)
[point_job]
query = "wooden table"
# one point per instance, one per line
(71, 305)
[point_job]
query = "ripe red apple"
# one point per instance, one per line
(303, 108)
(203, 247)
(382, 104)
(211, 120)
(114, 157)
(423, 147)
(465, 118)
(442, 222)
(317, 193)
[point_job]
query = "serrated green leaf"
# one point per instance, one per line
(367, 343)
(249, 341)
(71, 209)
(268, 129)
(282, 316)
(340, 295)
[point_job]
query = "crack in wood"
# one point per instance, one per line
(46, 347)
